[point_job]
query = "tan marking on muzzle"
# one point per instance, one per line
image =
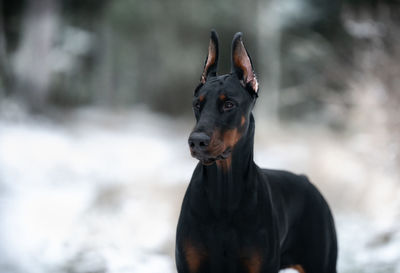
(231, 137)
(216, 145)
(220, 142)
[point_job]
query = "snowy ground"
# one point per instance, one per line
(99, 191)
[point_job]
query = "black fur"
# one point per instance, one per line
(235, 216)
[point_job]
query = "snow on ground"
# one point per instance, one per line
(100, 191)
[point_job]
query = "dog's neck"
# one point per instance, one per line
(226, 180)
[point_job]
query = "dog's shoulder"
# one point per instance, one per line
(293, 189)
(288, 189)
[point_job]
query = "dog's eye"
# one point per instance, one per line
(228, 105)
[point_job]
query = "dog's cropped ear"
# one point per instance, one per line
(210, 66)
(242, 65)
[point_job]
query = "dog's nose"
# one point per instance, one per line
(198, 141)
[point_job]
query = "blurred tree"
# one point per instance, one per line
(32, 68)
(375, 26)
(81, 45)
(39, 55)
(10, 19)
(314, 51)
(3, 54)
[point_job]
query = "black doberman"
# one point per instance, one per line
(235, 216)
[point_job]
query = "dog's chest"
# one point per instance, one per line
(226, 232)
(229, 245)
(233, 230)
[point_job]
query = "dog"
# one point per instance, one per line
(235, 216)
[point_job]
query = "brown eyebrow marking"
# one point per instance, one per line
(201, 98)
(222, 97)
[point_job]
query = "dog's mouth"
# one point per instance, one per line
(207, 160)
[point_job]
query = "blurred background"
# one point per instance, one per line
(95, 110)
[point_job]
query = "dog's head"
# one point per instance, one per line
(222, 104)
